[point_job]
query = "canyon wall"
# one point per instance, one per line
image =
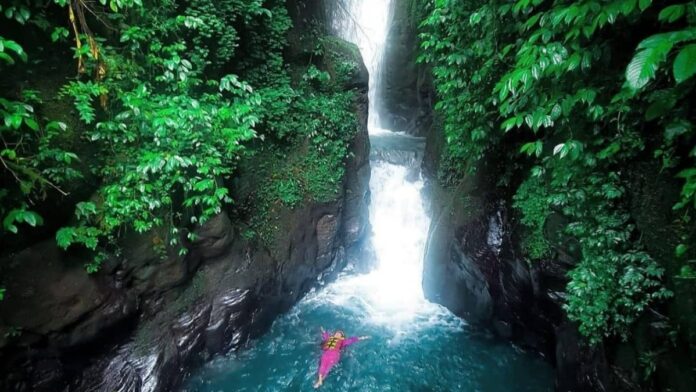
(150, 314)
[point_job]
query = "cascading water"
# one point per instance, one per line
(366, 24)
(416, 345)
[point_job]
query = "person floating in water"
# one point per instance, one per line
(331, 347)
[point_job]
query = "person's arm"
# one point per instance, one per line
(324, 334)
(353, 339)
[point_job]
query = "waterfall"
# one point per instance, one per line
(416, 345)
(366, 24)
(391, 293)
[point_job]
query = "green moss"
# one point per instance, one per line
(323, 176)
(532, 201)
(308, 139)
(193, 292)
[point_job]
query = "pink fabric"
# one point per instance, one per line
(330, 357)
(349, 341)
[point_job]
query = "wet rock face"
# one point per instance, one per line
(472, 267)
(155, 362)
(51, 292)
(405, 91)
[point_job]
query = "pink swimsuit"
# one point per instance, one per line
(331, 356)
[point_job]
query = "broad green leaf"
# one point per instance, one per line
(680, 250)
(31, 123)
(65, 237)
(687, 173)
(24, 15)
(15, 47)
(14, 121)
(672, 13)
(675, 129)
(59, 33)
(685, 64)
(9, 220)
(31, 218)
(645, 64)
(528, 148)
(475, 18)
(8, 153)
(673, 37)
(509, 124)
(7, 58)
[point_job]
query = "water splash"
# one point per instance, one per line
(391, 295)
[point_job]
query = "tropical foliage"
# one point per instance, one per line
(574, 92)
(168, 98)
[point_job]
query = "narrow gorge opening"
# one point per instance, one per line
(415, 345)
(500, 194)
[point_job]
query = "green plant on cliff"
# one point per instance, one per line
(457, 40)
(312, 126)
(170, 136)
(531, 198)
(167, 98)
(32, 163)
(588, 88)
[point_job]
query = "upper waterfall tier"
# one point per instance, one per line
(366, 24)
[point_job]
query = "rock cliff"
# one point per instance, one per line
(150, 314)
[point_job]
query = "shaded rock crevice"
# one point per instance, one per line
(405, 94)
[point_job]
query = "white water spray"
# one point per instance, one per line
(391, 294)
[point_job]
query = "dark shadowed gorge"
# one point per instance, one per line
(500, 194)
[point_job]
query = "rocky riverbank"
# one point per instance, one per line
(139, 323)
(150, 314)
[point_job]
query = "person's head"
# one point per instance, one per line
(339, 335)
